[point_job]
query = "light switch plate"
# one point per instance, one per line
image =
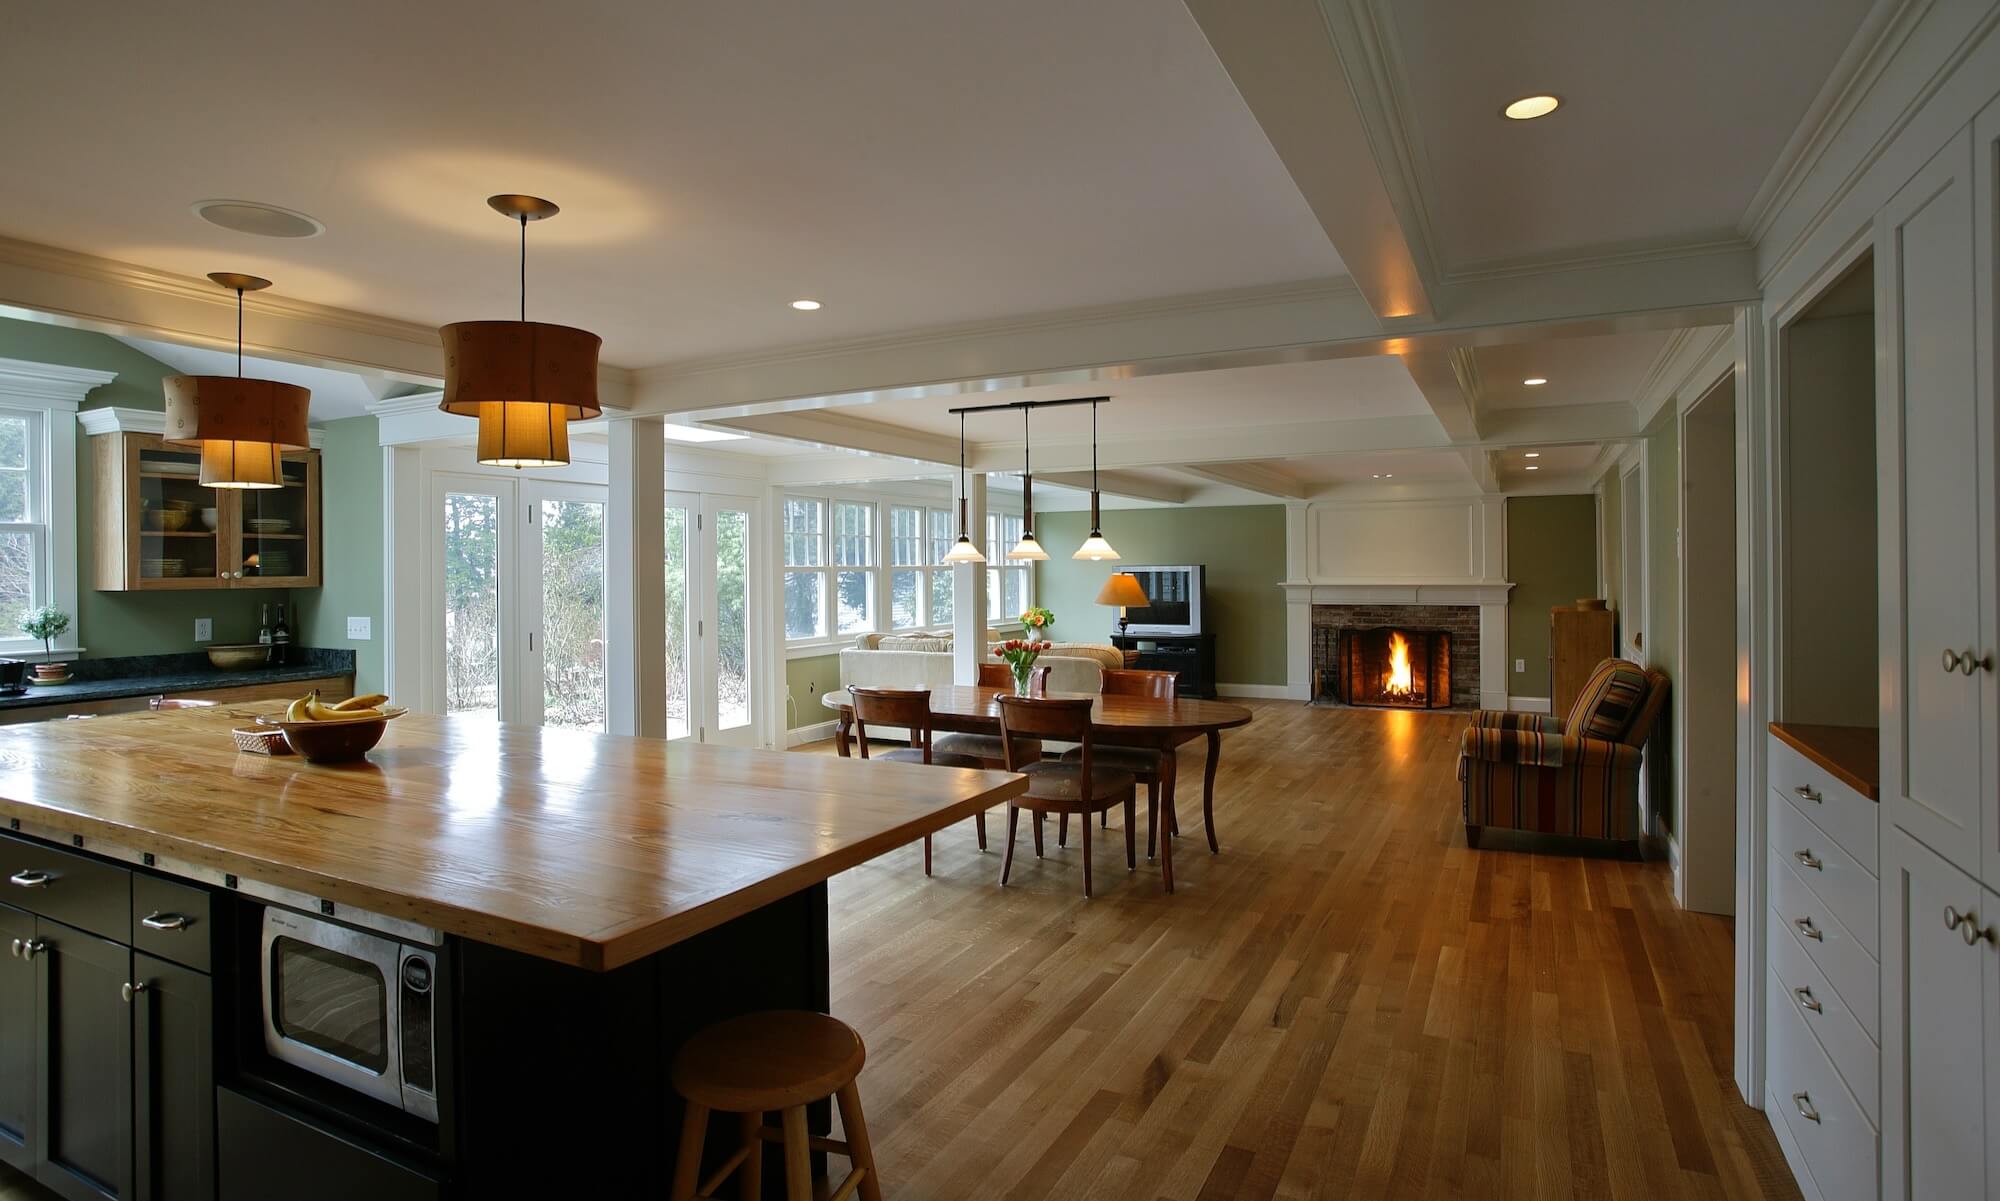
(357, 628)
(204, 629)
(1520, 665)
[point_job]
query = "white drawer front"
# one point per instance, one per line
(1839, 1032)
(1838, 955)
(1834, 807)
(1840, 1146)
(1847, 889)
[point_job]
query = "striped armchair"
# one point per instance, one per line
(1578, 776)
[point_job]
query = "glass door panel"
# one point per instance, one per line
(729, 524)
(181, 535)
(274, 527)
(682, 510)
(472, 612)
(570, 649)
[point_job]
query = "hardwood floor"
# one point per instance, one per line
(1346, 1003)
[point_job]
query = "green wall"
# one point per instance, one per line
(808, 680)
(1663, 596)
(1552, 560)
(1242, 546)
(124, 623)
(350, 465)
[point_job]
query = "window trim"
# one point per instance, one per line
(53, 394)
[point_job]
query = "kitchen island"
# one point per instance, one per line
(589, 900)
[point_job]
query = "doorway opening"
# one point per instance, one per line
(1705, 875)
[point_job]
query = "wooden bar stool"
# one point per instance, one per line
(781, 1060)
(909, 708)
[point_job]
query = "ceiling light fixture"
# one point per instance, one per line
(260, 220)
(1534, 467)
(243, 426)
(1094, 548)
(964, 550)
(1527, 108)
(524, 380)
(806, 306)
(1027, 548)
(1533, 381)
(1533, 454)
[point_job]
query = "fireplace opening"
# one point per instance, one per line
(1394, 668)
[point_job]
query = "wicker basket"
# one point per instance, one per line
(261, 741)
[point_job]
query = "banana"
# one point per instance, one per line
(300, 710)
(318, 712)
(372, 700)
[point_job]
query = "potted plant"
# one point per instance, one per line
(48, 624)
(1037, 620)
(1020, 655)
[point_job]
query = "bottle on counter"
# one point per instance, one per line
(281, 635)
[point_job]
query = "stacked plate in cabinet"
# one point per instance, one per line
(162, 568)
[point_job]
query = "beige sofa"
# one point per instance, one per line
(918, 660)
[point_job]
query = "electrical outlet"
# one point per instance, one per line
(1520, 665)
(204, 629)
(357, 628)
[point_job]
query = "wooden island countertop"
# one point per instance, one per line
(593, 850)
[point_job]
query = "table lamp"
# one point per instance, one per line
(1122, 589)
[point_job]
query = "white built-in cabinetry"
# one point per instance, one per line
(1940, 1068)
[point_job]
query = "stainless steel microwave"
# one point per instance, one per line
(352, 1005)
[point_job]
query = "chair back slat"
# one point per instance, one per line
(1153, 685)
(1031, 718)
(909, 708)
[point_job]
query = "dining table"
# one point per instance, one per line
(1115, 720)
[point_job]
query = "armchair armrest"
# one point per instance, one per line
(1507, 719)
(1530, 748)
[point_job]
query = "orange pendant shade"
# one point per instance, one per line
(516, 434)
(525, 381)
(242, 426)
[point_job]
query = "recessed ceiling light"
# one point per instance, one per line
(253, 217)
(1534, 467)
(1533, 381)
(1533, 454)
(1389, 475)
(805, 306)
(1527, 108)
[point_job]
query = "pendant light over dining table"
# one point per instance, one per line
(965, 550)
(524, 380)
(242, 426)
(1027, 547)
(1094, 549)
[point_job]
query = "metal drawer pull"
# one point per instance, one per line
(1806, 1110)
(15, 950)
(129, 990)
(1805, 792)
(32, 878)
(164, 921)
(1966, 661)
(1806, 1000)
(1806, 927)
(32, 947)
(1806, 857)
(1950, 659)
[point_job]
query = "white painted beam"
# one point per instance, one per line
(1479, 465)
(834, 429)
(1117, 483)
(1451, 386)
(1251, 477)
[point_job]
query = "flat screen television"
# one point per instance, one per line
(1173, 600)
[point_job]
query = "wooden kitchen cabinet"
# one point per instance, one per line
(173, 1092)
(226, 537)
(83, 1118)
(17, 1040)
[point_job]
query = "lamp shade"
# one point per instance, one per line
(524, 381)
(1122, 589)
(1028, 548)
(1095, 549)
(964, 551)
(242, 426)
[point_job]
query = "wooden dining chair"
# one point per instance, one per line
(910, 709)
(1152, 767)
(1081, 786)
(986, 747)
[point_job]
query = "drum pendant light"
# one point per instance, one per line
(1027, 547)
(524, 380)
(1094, 548)
(964, 550)
(243, 426)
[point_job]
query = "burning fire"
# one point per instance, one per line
(1400, 682)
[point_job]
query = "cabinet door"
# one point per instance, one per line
(17, 1040)
(1936, 989)
(173, 1100)
(85, 1064)
(178, 535)
(274, 542)
(1931, 526)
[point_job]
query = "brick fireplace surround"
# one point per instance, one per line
(1474, 612)
(1460, 621)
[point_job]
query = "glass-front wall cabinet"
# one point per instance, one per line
(158, 528)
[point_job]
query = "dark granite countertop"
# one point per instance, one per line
(151, 675)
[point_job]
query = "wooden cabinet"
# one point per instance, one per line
(159, 529)
(173, 1088)
(17, 1040)
(1579, 639)
(84, 1114)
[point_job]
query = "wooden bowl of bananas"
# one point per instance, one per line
(336, 733)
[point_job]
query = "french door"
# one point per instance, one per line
(521, 590)
(711, 581)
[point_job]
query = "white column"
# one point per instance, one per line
(635, 618)
(1298, 604)
(968, 583)
(412, 602)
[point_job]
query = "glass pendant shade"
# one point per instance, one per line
(1028, 548)
(525, 381)
(1095, 549)
(963, 551)
(242, 426)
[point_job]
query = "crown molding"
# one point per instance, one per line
(1373, 61)
(49, 384)
(113, 419)
(1686, 363)
(1593, 257)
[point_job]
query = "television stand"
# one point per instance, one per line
(1190, 655)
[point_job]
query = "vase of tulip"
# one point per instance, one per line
(1020, 654)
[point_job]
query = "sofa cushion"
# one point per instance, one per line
(912, 642)
(1608, 702)
(1107, 657)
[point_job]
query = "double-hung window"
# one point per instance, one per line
(906, 567)
(854, 566)
(1006, 579)
(805, 569)
(939, 588)
(24, 519)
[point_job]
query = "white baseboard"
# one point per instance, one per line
(1528, 704)
(817, 732)
(1268, 692)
